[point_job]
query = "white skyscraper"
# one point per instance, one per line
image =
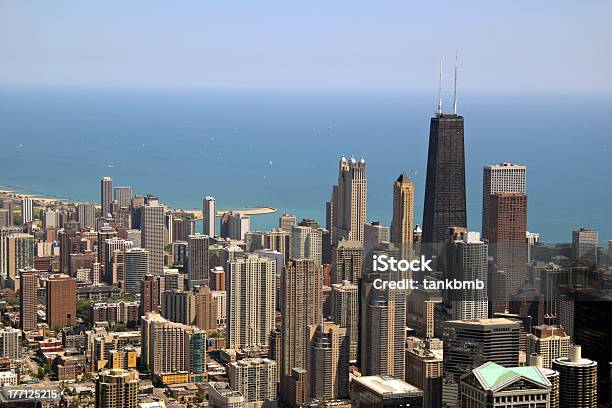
(251, 300)
(106, 195)
(209, 216)
(239, 225)
(467, 256)
(26, 210)
(10, 343)
(349, 201)
(499, 178)
(136, 267)
(254, 378)
(51, 219)
(306, 243)
(584, 245)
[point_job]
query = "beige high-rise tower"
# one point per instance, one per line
(251, 300)
(349, 201)
(106, 195)
(152, 236)
(117, 388)
(348, 262)
(403, 215)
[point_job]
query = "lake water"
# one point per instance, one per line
(281, 149)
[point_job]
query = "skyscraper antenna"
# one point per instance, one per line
(455, 91)
(440, 90)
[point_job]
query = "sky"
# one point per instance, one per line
(519, 46)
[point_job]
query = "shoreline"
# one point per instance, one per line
(35, 197)
(197, 214)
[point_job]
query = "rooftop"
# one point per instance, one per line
(386, 386)
(493, 377)
(485, 322)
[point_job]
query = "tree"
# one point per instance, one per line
(82, 309)
(118, 328)
(41, 373)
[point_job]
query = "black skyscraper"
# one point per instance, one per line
(445, 185)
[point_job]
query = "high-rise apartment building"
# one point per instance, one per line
(207, 310)
(374, 234)
(86, 215)
(110, 250)
(123, 196)
(10, 343)
(349, 201)
(286, 222)
(507, 238)
(584, 245)
(19, 253)
(500, 178)
(306, 243)
(61, 301)
(403, 215)
(548, 342)
(348, 262)
(28, 299)
(179, 306)
(182, 228)
(424, 369)
(251, 301)
(117, 388)
(136, 267)
(577, 380)
(329, 362)
(51, 218)
(217, 278)
(345, 312)
(466, 261)
(421, 312)
(8, 205)
(4, 218)
(235, 225)
(106, 195)
(382, 337)
(209, 216)
(445, 195)
(198, 268)
(150, 295)
(301, 306)
(5, 232)
(169, 347)
(27, 214)
(220, 297)
(152, 236)
(255, 379)
(279, 240)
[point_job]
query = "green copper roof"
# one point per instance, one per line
(492, 375)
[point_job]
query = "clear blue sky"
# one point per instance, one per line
(511, 46)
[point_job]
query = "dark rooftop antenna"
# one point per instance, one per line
(455, 91)
(440, 90)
